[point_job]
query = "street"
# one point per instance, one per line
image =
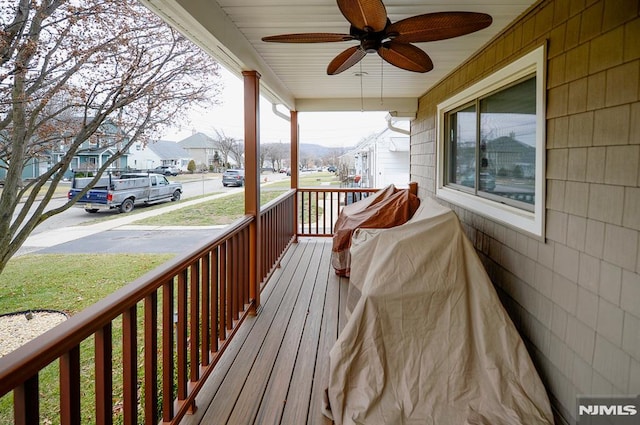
(76, 215)
(126, 238)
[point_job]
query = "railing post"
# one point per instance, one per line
(26, 402)
(295, 146)
(252, 180)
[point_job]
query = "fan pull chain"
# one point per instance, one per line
(361, 93)
(381, 81)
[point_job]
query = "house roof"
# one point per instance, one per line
(197, 141)
(168, 150)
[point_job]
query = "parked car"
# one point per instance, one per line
(487, 181)
(167, 170)
(233, 178)
(331, 169)
(124, 192)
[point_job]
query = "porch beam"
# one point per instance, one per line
(252, 180)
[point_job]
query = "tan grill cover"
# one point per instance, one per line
(385, 208)
(428, 341)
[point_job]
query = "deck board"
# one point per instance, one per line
(276, 369)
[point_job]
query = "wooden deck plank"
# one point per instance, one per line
(271, 295)
(328, 336)
(296, 391)
(276, 368)
(225, 399)
(278, 353)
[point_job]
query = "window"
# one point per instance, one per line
(491, 137)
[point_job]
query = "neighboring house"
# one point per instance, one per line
(93, 153)
(201, 148)
(380, 160)
(34, 168)
(161, 152)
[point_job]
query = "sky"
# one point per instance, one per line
(334, 129)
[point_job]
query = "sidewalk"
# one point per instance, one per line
(67, 234)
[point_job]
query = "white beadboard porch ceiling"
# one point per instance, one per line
(294, 75)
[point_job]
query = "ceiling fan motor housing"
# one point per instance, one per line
(370, 41)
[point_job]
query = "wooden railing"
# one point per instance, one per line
(277, 232)
(181, 316)
(318, 208)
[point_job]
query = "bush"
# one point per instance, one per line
(518, 172)
(191, 167)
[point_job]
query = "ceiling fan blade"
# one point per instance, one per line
(437, 26)
(364, 14)
(405, 56)
(312, 37)
(346, 60)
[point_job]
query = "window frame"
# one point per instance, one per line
(532, 222)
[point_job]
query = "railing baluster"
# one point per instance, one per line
(205, 323)
(234, 282)
(264, 233)
(317, 214)
(70, 387)
(181, 338)
(215, 299)
(242, 266)
(151, 358)
(332, 203)
(240, 277)
(130, 366)
(324, 212)
(26, 403)
(230, 286)
(104, 377)
(222, 312)
(167, 351)
(194, 322)
(300, 211)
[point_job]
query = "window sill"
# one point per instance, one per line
(529, 222)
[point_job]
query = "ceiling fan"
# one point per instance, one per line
(371, 26)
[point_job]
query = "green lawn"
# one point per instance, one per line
(77, 281)
(220, 211)
(309, 180)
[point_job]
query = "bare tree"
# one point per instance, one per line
(277, 153)
(68, 67)
(228, 147)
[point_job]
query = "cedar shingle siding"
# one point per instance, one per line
(575, 296)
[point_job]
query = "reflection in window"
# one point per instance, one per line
(501, 139)
(462, 146)
(508, 140)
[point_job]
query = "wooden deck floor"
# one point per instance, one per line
(275, 370)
